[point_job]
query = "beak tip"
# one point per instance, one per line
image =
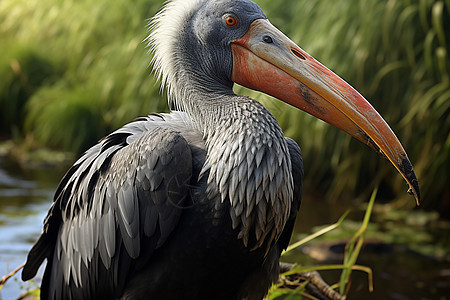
(408, 172)
(414, 190)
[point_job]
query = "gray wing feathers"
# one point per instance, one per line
(121, 196)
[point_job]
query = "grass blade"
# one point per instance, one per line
(354, 246)
(316, 234)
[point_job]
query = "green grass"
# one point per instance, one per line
(73, 71)
(96, 52)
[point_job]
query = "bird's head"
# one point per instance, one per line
(209, 45)
(192, 39)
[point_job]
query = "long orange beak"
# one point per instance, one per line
(264, 59)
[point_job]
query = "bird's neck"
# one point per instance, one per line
(248, 165)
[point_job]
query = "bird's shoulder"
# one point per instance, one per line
(147, 161)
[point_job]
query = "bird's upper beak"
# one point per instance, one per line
(265, 59)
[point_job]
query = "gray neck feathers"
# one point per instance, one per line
(249, 166)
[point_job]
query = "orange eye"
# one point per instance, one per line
(231, 21)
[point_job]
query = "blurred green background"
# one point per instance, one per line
(74, 70)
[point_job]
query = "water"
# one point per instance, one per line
(399, 272)
(25, 197)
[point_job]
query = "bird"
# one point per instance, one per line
(199, 202)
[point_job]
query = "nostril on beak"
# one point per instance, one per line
(298, 54)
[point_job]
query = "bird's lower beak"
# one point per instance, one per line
(265, 59)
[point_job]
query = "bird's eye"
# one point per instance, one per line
(231, 21)
(267, 39)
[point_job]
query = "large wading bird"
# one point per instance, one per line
(199, 202)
